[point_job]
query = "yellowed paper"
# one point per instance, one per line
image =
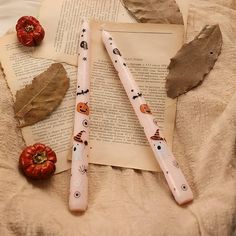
(62, 20)
(20, 68)
(116, 135)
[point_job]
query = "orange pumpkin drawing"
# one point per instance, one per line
(83, 108)
(145, 109)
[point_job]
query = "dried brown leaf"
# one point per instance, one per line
(193, 61)
(157, 11)
(37, 100)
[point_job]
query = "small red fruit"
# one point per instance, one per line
(29, 31)
(38, 161)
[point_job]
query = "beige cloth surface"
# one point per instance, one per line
(130, 202)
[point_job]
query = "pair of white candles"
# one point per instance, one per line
(79, 183)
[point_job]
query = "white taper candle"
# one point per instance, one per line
(78, 199)
(173, 174)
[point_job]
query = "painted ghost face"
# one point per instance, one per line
(145, 109)
(116, 51)
(84, 45)
(83, 108)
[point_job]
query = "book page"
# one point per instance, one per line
(116, 138)
(62, 19)
(55, 131)
(116, 135)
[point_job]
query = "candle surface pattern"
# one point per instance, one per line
(170, 167)
(78, 199)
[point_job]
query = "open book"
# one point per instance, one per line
(116, 137)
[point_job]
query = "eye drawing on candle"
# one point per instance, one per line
(136, 96)
(144, 108)
(77, 194)
(84, 45)
(85, 123)
(83, 108)
(157, 136)
(116, 51)
(184, 187)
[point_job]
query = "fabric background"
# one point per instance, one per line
(12, 10)
(131, 202)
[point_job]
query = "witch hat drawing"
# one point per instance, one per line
(77, 137)
(157, 136)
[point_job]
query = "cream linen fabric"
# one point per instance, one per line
(12, 10)
(129, 202)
